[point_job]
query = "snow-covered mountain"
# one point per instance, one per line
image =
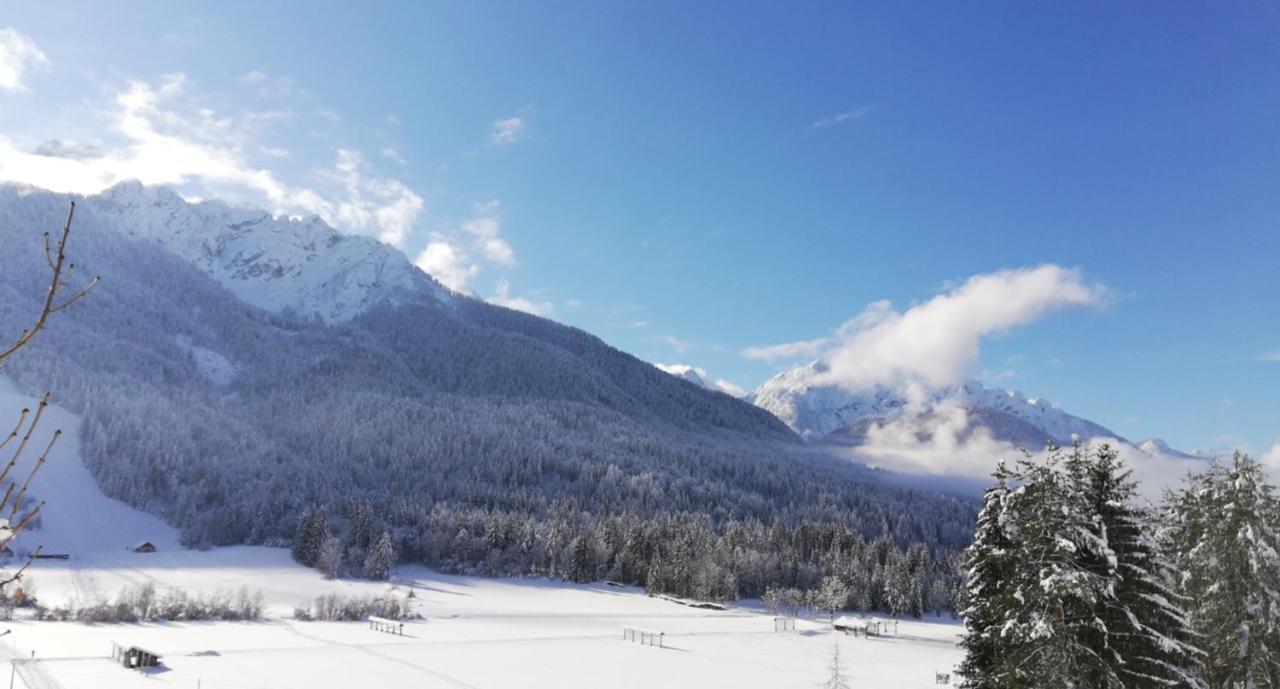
(700, 378)
(817, 411)
(276, 263)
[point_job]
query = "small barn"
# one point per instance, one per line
(145, 547)
(134, 657)
(847, 624)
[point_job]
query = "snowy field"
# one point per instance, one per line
(492, 634)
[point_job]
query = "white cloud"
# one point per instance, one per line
(266, 85)
(371, 202)
(394, 156)
(936, 343)
(157, 139)
(676, 343)
(503, 297)
(1271, 460)
(939, 441)
(992, 377)
(445, 263)
(18, 53)
(805, 349)
(274, 151)
(1271, 357)
(842, 117)
(455, 257)
(484, 230)
(945, 441)
(507, 130)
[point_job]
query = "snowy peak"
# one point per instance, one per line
(276, 263)
(700, 378)
(1157, 447)
(817, 411)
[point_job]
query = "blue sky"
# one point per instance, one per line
(689, 181)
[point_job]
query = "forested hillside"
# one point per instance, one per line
(477, 438)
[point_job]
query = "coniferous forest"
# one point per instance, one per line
(1072, 583)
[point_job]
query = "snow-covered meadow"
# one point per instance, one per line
(474, 632)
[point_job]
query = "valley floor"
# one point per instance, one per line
(486, 633)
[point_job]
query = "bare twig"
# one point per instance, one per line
(18, 575)
(57, 266)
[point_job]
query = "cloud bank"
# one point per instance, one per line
(936, 343)
(155, 137)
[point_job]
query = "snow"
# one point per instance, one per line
(212, 366)
(815, 411)
(476, 633)
(276, 263)
(699, 377)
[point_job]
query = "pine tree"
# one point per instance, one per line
(1146, 638)
(381, 558)
(582, 561)
(313, 531)
(832, 595)
(989, 562)
(360, 535)
(1054, 632)
(1221, 535)
(329, 561)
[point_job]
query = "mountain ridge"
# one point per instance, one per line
(818, 411)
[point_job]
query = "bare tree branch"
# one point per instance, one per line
(57, 265)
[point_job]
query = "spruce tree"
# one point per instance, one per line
(1146, 638)
(1054, 630)
(582, 561)
(989, 562)
(381, 558)
(313, 531)
(1221, 535)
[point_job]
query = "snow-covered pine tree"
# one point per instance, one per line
(313, 531)
(833, 596)
(582, 561)
(989, 560)
(330, 559)
(1050, 632)
(382, 557)
(1146, 638)
(1220, 532)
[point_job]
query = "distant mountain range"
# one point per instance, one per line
(824, 413)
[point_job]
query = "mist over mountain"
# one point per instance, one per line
(816, 410)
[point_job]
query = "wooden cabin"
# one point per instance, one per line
(145, 547)
(134, 657)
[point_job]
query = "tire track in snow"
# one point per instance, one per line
(369, 651)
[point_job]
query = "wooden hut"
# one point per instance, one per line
(145, 547)
(134, 657)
